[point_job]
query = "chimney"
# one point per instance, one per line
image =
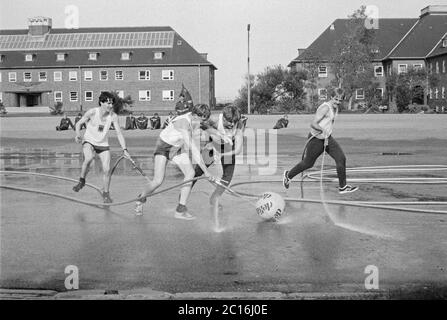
(434, 10)
(39, 26)
(204, 55)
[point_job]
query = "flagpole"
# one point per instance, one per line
(248, 66)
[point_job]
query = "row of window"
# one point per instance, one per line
(359, 93)
(93, 56)
(103, 75)
(401, 68)
(436, 93)
(143, 95)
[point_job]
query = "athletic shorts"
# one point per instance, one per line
(98, 149)
(165, 149)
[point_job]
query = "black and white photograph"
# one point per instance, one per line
(223, 155)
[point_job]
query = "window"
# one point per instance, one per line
(158, 55)
(60, 56)
(444, 43)
(103, 75)
(443, 66)
(322, 94)
(437, 67)
(322, 71)
(88, 75)
(27, 76)
(436, 93)
(73, 76)
(88, 95)
(144, 95)
(120, 93)
(443, 93)
(1, 96)
(57, 96)
(168, 95)
(28, 57)
(430, 93)
(417, 66)
(402, 68)
(73, 96)
(125, 55)
(378, 71)
(360, 94)
(167, 74)
(12, 76)
(93, 56)
(57, 75)
(144, 75)
(379, 92)
(42, 76)
(2, 57)
(119, 75)
(430, 68)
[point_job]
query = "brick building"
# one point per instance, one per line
(401, 43)
(40, 66)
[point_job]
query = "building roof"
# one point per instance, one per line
(389, 33)
(422, 39)
(439, 49)
(142, 42)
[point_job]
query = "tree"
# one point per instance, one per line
(352, 56)
(275, 87)
(121, 104)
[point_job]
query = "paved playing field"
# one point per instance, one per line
(304, 252)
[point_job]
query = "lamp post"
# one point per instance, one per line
(248, 65)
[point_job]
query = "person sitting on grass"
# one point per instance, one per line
(142, 122)
(78, 117)
(65, 124)
(155, 121)
(282, 123)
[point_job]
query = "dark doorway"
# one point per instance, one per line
(32, 100)
(418, 95)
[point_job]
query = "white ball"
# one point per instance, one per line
(270, 206)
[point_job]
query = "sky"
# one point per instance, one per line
(217, 27)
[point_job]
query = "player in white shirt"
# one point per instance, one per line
(320, 139)
(95, 141)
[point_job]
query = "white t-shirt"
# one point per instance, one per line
(326, 123)
(173, 136)
(97, 129)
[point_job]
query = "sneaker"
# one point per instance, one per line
(347, 189)
(285, 180)
(139, 208)
(106, 197)
(182, 213)
(79, 186)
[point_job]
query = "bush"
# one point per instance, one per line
(56, 109)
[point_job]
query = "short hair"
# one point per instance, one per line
(338, 92)
(231, 114)
(201, 110)
(106, 96)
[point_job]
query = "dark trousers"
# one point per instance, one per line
(313, 150)
(227, 173)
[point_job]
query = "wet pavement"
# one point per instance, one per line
(230, 253)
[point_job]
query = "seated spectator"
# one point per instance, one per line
(142, 122)
(131, 122)
(77, 118)
(65, 123)
(168, 119)
(282, 123)
(155, 121)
